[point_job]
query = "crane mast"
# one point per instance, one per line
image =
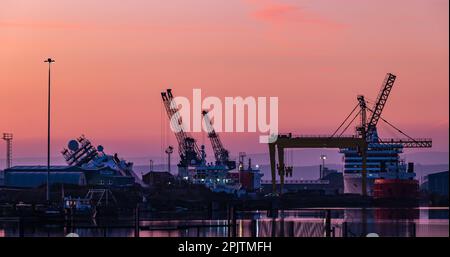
(187, 146)
(220, 153)
(362, 129)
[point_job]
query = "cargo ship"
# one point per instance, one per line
(384, 166)
(250, 177)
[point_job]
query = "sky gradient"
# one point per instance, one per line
(114, 58)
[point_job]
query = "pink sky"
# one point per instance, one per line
(114, 57)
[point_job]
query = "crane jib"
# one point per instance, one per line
(381, 100)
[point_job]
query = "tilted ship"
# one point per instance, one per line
(83, 154)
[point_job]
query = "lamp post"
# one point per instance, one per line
(49, 61)
(151, 165)
(169, 151)
(323, 157)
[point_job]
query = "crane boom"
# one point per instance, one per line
(187, 146)
(381, 101)
(220, 153)
(407, 142)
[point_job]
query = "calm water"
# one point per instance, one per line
(351, 222)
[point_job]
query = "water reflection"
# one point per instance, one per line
(382, 221)
(343, 222)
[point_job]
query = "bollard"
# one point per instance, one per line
(210, 210)
(21, 229)
(344, 229)
(328, 223)
(412, 227)
(281, 227)
(228, 221)
(233, 211)
(292, 226)
(274, 227)
(254, 232)
(136, 222)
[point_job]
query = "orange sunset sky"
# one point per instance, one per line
(113, 58)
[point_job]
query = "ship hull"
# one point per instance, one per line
(353, 181)
(396, 189)
(353, 184)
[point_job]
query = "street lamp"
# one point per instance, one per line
(169, 151)
(323, 157)
(49, 61)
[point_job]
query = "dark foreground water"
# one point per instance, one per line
(343, 222)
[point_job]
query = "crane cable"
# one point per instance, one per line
(161, 136)
(390, 124)
(356, 116)
(345, 121)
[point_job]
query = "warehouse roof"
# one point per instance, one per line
(42, 168)
(52, 168)
(38, 178)
(442, 173)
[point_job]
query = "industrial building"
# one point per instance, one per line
(331, 184)
(158, 178)
(2, 179)
(436, 183)
(35, 176)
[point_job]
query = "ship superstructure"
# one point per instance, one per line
(383, 161)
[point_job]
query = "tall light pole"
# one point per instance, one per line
(8, 138)
(49, 61)
(323, 157)
(151, 165)
(169, 151)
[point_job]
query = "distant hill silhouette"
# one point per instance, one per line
(307, 172)
(305, 161)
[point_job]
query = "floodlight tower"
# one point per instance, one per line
(49, 61)
(8, 138)
(323, 157)
(169, 151)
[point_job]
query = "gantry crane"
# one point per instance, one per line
(220, 153)
(187, 146)
(287, 141)
(367, 136)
